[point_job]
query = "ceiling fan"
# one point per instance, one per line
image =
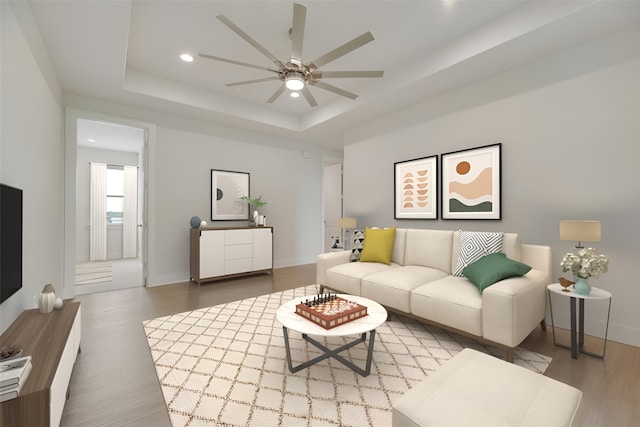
(294, 74)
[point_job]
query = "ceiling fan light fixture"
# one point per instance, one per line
(295, 94)
(294, 82)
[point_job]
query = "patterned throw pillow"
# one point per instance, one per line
(474, 245)
(358, 244)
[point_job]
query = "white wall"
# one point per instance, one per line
(289, 183)
(31, 153)
(569, 126)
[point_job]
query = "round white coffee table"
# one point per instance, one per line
(376, 315)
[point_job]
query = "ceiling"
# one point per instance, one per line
(128, 52)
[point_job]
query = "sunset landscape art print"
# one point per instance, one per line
(471, 183)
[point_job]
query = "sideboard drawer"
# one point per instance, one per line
(238, 251)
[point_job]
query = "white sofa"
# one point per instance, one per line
(419, 282)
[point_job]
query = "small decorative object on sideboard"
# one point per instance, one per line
(257, 203)
(565, 283)
(583, 265)
(194, 221)
(47, 299)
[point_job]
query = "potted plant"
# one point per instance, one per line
(257, 203)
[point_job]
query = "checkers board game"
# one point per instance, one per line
(330, 310)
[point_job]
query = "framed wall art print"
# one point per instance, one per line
(415, 188)
(226, 189)
(472, 183)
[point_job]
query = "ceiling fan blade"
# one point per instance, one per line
(248, 38)
(276, 94)
(341, 51)
(231, 61)
(252, 81)
(345, 74)
(310, 99)
(331, 88)
(297, 30)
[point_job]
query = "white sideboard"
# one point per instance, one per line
(218, 253)
(53, 341)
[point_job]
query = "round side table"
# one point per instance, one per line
(577, 319)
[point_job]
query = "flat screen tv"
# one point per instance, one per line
(10, 241)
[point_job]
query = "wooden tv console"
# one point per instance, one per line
(53, 341)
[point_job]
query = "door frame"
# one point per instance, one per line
(72, 115)
(327, 162)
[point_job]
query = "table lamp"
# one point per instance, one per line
(580, 231)
(346, 224)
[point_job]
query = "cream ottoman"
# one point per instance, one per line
(475, 389)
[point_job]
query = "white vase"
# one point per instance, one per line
(46, 302)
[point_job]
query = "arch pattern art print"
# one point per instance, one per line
(471, 183)
(227, 187)
(415, 188)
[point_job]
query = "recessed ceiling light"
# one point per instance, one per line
(91, 140)
(295, 94)
(186, 57)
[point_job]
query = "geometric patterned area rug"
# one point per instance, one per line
(94, 272)
(226, 365)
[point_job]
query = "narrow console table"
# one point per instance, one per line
(53, 342)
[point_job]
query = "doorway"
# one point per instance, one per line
(120, 149)
(332, 205)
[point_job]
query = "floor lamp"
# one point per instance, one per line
(346, 224)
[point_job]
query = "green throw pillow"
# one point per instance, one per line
(378, 245)
(492, 268)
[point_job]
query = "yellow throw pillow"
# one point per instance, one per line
(378, 245)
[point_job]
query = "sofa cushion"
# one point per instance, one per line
(393, 287)
(492, 268)
(378, 245)
(358, 244)
(452, 301)
(429, 248)
(475, 245)
(347, 277)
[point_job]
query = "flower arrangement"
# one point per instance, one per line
(586, 263)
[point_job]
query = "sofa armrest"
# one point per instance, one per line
(326, 261)
(512, 308)
(538, 257)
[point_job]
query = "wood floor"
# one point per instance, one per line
(114, 381)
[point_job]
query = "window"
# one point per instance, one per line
(115, 194)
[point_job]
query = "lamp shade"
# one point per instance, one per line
(580, 231)
(347, 223)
